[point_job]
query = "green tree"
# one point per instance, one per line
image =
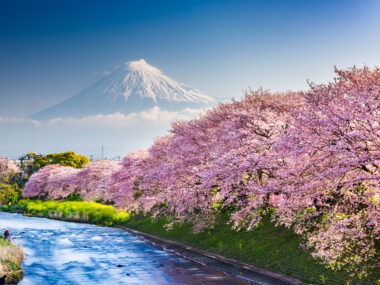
(9, 193)
(69, 158)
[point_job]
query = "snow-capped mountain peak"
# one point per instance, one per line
(133, 87)
(141, 65)
(150, 82)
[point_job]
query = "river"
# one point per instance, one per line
(58, 252)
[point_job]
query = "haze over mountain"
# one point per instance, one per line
(134, 87)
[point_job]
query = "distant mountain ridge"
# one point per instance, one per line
(135, 87)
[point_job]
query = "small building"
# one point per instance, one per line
(26, 163)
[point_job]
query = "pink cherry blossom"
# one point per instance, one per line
(8, 166)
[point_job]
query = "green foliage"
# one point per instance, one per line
(9, 193)
(68, 158)
(74, 197)
(78, 211)
(10, 188)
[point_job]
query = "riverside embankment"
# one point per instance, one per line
(268, 248)
(11, 256)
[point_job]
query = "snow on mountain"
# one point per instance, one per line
(135, 87)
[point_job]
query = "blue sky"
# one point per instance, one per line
(50, 50)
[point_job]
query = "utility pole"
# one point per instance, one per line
(102, 151)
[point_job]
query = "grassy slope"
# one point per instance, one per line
(275, 249)
(11, 256)
(272, 248)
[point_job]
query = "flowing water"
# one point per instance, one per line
(60, 252)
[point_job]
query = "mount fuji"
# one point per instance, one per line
(134, 87)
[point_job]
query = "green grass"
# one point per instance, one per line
(275, 249)
(78, 211)
(272, 248)
(11, 256)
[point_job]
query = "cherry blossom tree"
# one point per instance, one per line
(59, 182)
(50, 182)
(333, 171)
(92, 181)
(8, 166)
(204, 163)
(37, 183)
(123, 184)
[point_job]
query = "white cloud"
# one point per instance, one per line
(4, 120)
(116, 119)
(151, 116)
(156, 115)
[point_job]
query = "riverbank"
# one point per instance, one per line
(271, 248)
(234, 268)
(11, 256)
(71, 211)
(274, 249)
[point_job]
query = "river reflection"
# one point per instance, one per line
(71, 253)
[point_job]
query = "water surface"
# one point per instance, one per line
(60, 252)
